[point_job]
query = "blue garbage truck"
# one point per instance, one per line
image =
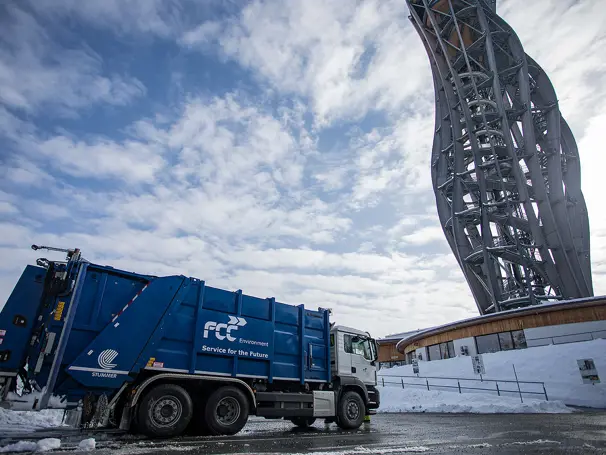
(161, 356)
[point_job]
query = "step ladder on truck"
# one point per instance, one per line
(162, 355)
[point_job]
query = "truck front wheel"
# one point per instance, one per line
(226, 411)
(351, 410)
(165, 411)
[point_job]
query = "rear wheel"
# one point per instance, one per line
(226, 411)
(303, 422)
(351, 410)
(165, 411)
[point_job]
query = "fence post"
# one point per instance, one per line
(498, 391)
(545, 392)
(427, 381)
(383, 381)
(402, 382)
(459, 384)
(517, 382)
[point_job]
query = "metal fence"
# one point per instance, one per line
(500, 386)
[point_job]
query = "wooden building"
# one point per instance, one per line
(553, 323)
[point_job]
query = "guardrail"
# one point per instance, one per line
(498, 389)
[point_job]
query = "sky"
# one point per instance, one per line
(281, 148)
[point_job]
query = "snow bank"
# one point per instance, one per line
(31, 419)
(555, 365)
(21, 446)
(43, 445)
(394, 399)
(24, 421)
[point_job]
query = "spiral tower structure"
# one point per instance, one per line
(505, 166)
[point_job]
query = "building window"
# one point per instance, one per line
(519, 339)
(433, 352)
(451, 350)
(488, 343)
(441, 351)
(503, 341)
(409, 357)
(506, 341)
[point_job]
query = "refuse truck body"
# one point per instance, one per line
(165, 355)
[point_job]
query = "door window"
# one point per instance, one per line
(358, 345)
(347, 343)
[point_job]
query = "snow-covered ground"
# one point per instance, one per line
(555, 365)
(395, 399)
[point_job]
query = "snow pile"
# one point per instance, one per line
(21, 446)
(43, 445)
(29, 420)
(394, 399)
(87, 444)
(555, 365)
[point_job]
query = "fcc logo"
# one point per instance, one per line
(223, 331)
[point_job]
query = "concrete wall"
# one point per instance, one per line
(469, 342)
(565, 333)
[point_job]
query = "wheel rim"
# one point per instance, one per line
(227, 411)
(166, 411)
(353, 410)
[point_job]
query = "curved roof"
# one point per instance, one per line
(535, 309)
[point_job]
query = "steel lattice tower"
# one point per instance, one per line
(504, 165)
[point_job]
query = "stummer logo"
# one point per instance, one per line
(222, 330)
(106, 358)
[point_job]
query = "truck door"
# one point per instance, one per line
(362, 358)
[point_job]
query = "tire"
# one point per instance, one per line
(303, 422)
(226, 411)
(350, 411)
(165, 411)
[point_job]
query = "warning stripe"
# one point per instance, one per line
(129, 303)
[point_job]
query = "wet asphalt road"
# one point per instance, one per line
(579, 433)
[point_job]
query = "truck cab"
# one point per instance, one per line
(354, 361)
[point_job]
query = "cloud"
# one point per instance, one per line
(593, 163)
(349, 58)
(305, 176)
(575, 64)
(131, 161)
(37, 73)
(155, 17)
